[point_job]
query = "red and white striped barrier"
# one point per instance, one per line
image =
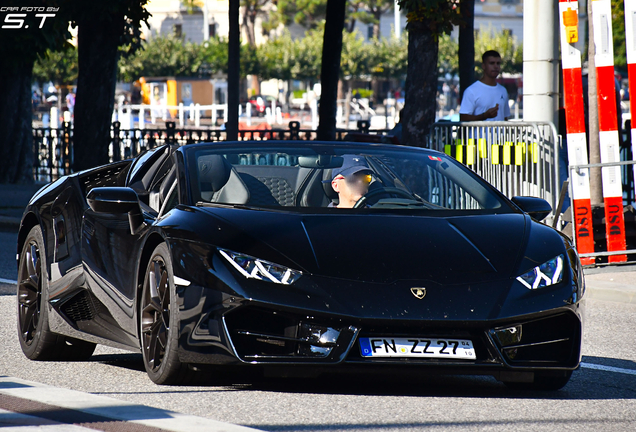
(575, 127)
(608, 127)
(630, 34)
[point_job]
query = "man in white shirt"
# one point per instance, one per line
(486, 99)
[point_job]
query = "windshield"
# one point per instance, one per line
(335, 177)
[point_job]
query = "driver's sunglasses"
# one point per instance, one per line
(360, 178)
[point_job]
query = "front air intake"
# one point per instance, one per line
(551, 341)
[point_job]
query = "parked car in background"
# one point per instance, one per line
(259, 103)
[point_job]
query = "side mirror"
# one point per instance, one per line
(112, 200)
(117, 200)
(538, 208)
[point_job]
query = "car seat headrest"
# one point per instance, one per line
(214, 170)
(326, 185)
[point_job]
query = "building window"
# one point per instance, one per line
(212, 30)
(370, 31)
(507, 32)
(178, 30)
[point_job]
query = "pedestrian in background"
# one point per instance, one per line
(486, 99)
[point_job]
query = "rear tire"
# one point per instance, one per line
(37, 341)
(159, 322)
(544, 382)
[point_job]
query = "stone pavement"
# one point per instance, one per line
(611, 283)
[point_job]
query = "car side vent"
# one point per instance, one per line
(111, 176)
(80, 308)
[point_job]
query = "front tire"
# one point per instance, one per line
(159, 321)
(37, 341)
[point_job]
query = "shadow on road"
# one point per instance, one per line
(585, 384)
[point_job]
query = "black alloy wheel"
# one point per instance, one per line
(158, 321)
(29, 292)
(37, 341)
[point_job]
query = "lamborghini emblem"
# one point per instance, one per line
(418, 292)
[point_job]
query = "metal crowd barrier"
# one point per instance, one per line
(518, 158)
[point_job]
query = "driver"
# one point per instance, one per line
(351, 181)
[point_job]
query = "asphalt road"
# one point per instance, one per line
(601, 396)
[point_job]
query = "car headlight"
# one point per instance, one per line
(546, 274)
(255, 268)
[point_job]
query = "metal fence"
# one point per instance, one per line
(53, 148)
(518, 158)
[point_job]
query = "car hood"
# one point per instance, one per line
(380, 248)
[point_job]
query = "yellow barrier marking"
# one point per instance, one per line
(470, 153)
(459, 153)
(520, 152)
(507, 147)
(482, 148)
(495, 154)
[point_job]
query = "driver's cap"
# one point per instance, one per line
(352, 164)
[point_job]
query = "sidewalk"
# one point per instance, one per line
(13, 200)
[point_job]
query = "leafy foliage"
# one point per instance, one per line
(172, 56)
(511, 51)
(618, 30)
(438, 15)
(388, 57)
(134, 13)
(368, 12)
(308, 13)
(58, 66)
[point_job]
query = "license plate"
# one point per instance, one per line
(417, 347)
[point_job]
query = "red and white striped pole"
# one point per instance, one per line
(608, 127)
(630, 34)
(575, 128)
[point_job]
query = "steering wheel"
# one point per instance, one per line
(384, 191)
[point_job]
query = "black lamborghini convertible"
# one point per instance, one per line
(241, 254)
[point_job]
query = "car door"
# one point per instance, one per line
(110, 251)
(110, 257)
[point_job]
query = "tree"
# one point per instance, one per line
(58, 66)
(164, 56)
(427, 20)
(448, 61)
(330, 68)
(276, 58)
(388, 57)
(618, 30)
(308, 13)
(466, 48)
(103, 27)
(368, 12)
(20, 46)
(307, 55)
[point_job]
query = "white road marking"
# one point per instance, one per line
(8, 281)
(608, 368)
(113, 408)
